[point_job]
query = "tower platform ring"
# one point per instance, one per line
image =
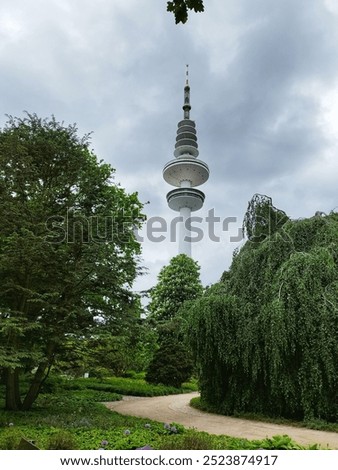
(182, 169)
(185, 197)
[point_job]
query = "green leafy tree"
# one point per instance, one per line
(178, 283)
(265, 338)
(180, 8)
(68, 254)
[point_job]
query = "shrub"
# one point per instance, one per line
(171, 365)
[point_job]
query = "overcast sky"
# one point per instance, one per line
(264, 95)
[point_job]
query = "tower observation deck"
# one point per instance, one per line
(185, 172)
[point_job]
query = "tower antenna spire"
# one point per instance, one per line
(186, 105)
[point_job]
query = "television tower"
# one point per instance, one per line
(185, 172)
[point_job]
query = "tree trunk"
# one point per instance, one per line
(40, 376)
(34, 388)
(13, 400)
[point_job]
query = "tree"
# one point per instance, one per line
(265, 338)
(178, 283)
(68, 254)
(180, 8)
(262, 219)
(172, 362)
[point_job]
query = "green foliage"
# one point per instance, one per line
(68, 253)
(317, 424)
(280, 443)
(191, 440)
(95, 395)
(172, 364)
(262, 219)
(125, 386)
(196, 440)
(177, 282)
(265, 339)
(180, 8)
(103, 352)
(61, 440)
(10, 439)
(71, 411)
(66, 425)
(71, 417)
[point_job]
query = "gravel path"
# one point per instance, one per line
(175, 408)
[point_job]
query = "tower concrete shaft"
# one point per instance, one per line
(184, 243)
(185, 172)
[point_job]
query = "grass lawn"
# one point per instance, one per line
(69, 415)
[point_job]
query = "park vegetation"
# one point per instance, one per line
(68, 415)
(265, 338)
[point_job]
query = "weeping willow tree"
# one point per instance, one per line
(265, 338)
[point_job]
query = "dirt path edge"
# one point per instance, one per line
(176, 408)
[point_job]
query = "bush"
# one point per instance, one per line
(171, 365)
(132, 374)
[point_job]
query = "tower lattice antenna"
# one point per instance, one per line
(186, 105)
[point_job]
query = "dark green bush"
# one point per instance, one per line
(171, 365)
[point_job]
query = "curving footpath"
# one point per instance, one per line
(175, 408)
